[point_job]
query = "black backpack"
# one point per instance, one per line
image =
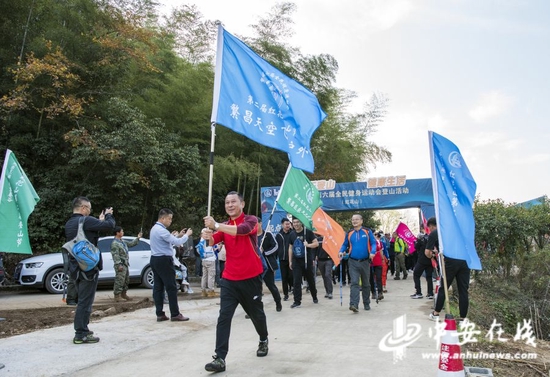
(420, 243)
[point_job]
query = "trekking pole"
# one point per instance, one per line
(340, 281)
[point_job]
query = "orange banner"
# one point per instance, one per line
(332, 232)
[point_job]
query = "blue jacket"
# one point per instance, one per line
(386, 247)
(357, 243)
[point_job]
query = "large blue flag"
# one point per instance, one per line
(257, 100)
(454, 193)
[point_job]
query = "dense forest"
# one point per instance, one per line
(112, 100)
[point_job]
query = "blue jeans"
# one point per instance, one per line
(165, 279)
(359, 269)
(86, 285)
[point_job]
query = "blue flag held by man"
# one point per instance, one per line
(454, 194)
(257, 100)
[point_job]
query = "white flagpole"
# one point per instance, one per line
(211, 162)
(277, 200)
(278, 195)
(4, 169)
(440, 240)
(215, 101)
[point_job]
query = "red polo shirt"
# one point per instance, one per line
(242, 261)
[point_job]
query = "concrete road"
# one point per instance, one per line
(325, 339)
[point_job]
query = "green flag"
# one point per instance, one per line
(299, 196)
(17, 201)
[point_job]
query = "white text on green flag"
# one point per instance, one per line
(299, 196)
(17, 201)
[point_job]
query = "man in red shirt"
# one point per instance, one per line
(241, 282)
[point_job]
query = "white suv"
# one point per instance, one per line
(46, 271)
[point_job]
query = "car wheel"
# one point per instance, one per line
(55, 281)
(148, 278)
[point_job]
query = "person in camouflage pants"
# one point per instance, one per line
(121, 261)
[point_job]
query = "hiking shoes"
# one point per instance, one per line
(353, 308)
(262, 348)
(216, 365)
(87, 339)
(434, 317)
(417, 295)
(294, 305)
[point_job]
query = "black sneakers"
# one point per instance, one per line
(216, 365)
(89, 338)
(262, 348)
(294, 305)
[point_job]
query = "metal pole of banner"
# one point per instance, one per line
(277, 199)
(445, 285)
(340, 266)
(211, 162)
(305, 248)
(215, 103)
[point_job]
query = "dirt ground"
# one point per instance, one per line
(22, 321)
(539, 367)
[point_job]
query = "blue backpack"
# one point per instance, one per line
(86, 253)
(298, 248)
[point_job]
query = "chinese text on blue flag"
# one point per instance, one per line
(257, 100)
(454, 194)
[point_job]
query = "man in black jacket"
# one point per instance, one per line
(86, 281)
(423, 264)
(301, 261)
(283, 239)
(268, 247)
